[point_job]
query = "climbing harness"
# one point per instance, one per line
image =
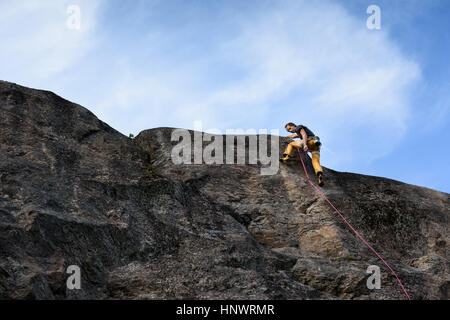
(353, 229)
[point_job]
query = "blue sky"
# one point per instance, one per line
(379, 99)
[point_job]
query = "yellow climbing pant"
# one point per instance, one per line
(315, 152)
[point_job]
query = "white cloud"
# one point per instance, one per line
(37, 44)
(307, 61)
(310, 62)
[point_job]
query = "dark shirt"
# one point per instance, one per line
(309, 133)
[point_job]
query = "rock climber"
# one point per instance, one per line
(312, 145)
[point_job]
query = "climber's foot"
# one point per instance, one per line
(284, 158)
(320, 176)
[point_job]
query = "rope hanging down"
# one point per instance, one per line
(353, 229)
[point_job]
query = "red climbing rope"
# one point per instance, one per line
(353, 229)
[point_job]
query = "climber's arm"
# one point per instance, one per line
(305, 140)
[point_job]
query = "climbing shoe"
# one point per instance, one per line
(320, 176)
(284, 158)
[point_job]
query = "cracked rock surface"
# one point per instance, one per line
(74, 191)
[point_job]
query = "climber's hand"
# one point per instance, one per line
(305, 148)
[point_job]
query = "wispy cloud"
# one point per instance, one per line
(36, 42)
(302, 61)
(273, 62)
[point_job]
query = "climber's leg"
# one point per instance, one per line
(316, 162)
(315, 156)
(290, 148)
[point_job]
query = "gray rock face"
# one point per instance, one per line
(74, 191)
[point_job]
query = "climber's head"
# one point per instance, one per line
(290, 127)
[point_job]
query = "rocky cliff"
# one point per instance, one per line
(74, 191)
